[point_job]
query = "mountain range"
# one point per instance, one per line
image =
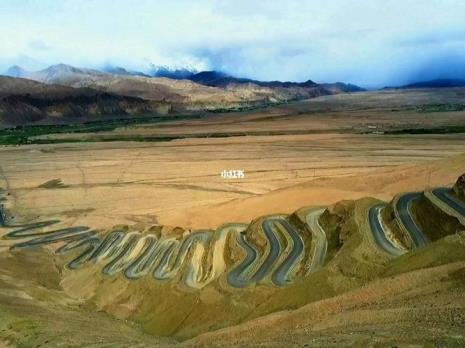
(61, 92)
(27, 95)
(24, 101)
(220, 79)
(211, 78)
(438, 83)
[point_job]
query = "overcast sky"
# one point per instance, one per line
(370, 43)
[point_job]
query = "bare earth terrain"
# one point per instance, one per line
(179, 182)
(329, 151)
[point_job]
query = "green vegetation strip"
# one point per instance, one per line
(440, 107)
(22, 134)
(438, 130)
(20, 139)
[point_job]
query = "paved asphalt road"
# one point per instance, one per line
(236, 277)
(444, 194)
(374, 217)
(403, 208)
(281, 275)
(319, 235)
(275, 251)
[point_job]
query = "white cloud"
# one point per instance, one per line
(366, 42)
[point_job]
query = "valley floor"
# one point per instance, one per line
(334, 150)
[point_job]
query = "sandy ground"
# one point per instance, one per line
(179, 182)
(401, 311)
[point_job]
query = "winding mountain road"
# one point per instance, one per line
(402, 210)
(148, 258)
(198, 258)
(238, 276)
(445, 195)
(379, 233)
(137, 255)
(275, 249)
(282, 274)
(319, 240)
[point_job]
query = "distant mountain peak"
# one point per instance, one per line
(222, 79)
(15, 71)
(61, 66)
(65, 68)
(172, 73)
(118, 70)
(65, 74)
(437, 83)
(212, 73)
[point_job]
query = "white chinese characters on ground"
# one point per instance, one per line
(233, 174)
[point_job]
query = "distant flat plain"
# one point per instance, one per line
(313, 152)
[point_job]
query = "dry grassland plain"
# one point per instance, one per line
(314, 152)
(309, 153)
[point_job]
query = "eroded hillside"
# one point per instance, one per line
(171, 282)
(103, 93)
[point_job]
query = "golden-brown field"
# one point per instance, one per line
(178, 182)
(311, 153)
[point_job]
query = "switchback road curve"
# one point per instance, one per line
(402, 210)
(379, 233)
(197, 259)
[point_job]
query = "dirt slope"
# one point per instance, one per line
(24, 101)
